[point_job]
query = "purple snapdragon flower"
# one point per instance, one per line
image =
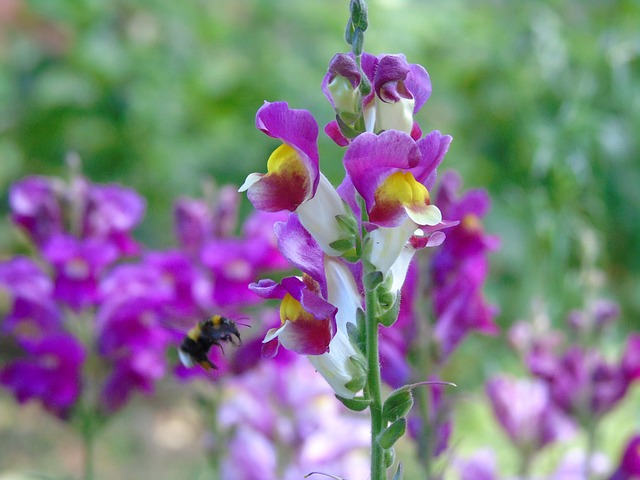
(526, 412)
(459, 268)
(582, 382)
(33, 313)
(50, 372)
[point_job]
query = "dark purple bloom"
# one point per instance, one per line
(459, 268)
(629, 468)
(193, 224)
(582, 384)
(32, 313)
(129, 375)
(78, 266)
(51, 372)
(396, 340)
(111, 213)
(526, 412)
(35, 206)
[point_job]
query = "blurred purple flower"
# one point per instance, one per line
(396, 340)
(78, 267)
(581, 383)
(437, 431)
(51, 373)
(35, 205)
(459, 268)
(193, 221)
(106, 213)
(482, 465)
(629, 468)
(284, 422)
(525, 411)
(32, 313)
(111, 213)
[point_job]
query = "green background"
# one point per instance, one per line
(542, 99)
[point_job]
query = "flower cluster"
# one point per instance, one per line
(573, 387)
(94, 303)
(280, 421)
(80, 230)
(582, 382)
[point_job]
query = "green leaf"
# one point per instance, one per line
(390, 315)
(350, 255)
(357, 404)
(347, 223)
(390, 435)
(397, 404)
(342, 244)
(399, 472)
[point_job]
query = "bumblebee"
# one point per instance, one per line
(209, 332)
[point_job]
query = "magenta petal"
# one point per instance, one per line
(270, 349)
(433, 148)
(371, 158)
(306, 337)
(333, 132)
(296, 128)
(300, 249)
(419, 84)
(267, 288)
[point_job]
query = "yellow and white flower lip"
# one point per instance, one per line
(392, 172)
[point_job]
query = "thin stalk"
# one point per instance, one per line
(88, 447)
(373, 387)
(591, 448)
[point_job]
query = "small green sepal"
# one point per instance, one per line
(347, 223)
(390, 435)
(390, 315)
(397, 404)
(359, 379)
(342, 244)
(389, 457)
(357, 404)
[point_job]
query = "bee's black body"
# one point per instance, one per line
(199, 340)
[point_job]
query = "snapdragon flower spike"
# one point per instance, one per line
(392, 172)
(460, 267)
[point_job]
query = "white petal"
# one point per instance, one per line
(318, 215)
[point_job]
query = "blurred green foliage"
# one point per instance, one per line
(542, 98)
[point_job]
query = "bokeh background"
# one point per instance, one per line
(542, 99)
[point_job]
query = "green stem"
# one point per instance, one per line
(373, 387)
(591, 448)
(88, 447)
